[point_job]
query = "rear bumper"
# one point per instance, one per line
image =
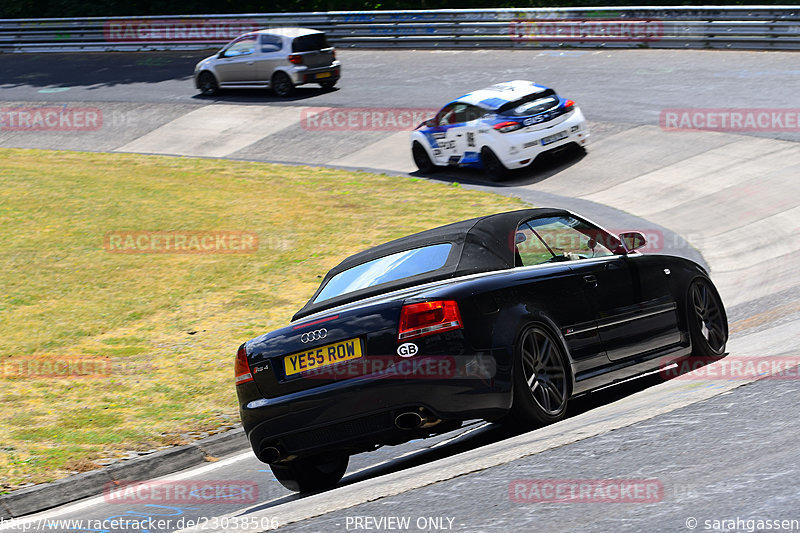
(301, 75)
(359, 413)
(524, 147)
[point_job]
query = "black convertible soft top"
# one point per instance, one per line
(482, 244)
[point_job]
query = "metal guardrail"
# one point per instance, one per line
(735, 27)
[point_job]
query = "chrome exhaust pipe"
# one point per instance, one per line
(270, 454)
(415, 420)
(409, 420)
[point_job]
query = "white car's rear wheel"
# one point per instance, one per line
(492, 167)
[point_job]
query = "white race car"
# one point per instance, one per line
(502, 127)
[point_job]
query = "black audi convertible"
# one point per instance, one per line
(502, 318)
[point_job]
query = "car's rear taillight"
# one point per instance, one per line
(241, 368)
(333, 55)
(505, 127)
(568, 104)
(426, 318)
(296, 59)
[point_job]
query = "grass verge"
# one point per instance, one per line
(151, 336)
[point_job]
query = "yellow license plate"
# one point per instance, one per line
(324, 75)
(330, 354)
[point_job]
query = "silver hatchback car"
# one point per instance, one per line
(279, 58)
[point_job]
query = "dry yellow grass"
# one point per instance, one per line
(164, 325)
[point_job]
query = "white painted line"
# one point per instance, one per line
(215, 130)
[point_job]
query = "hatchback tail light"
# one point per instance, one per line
(505, 127)
(241, 367)
(296, 59)
(426, 318)
(568, 104)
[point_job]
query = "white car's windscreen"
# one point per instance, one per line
(385, 269)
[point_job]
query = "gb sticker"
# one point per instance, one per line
(407, 349)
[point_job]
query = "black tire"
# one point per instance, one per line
(207, 84)
(492, 167)
(282, 84)
(328, 85)
(310, 474)
(577, 150)
(422, 159)
(541, 378)
(708, 322)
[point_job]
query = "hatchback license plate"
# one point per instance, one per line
(330, 354)
(323, 75)
(555, 137)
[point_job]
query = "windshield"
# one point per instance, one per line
(530, 105)
(392, 267)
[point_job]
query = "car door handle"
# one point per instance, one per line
(590, 279)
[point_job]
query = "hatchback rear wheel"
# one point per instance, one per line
(282, 84)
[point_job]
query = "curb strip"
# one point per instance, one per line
(48, 495)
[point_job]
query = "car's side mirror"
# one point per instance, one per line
(633, 240)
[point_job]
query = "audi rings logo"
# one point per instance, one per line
(315, 335)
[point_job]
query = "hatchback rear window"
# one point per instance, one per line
(309, 43)
(392, 267)
(530, 105)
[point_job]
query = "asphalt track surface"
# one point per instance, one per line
(721, 449)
